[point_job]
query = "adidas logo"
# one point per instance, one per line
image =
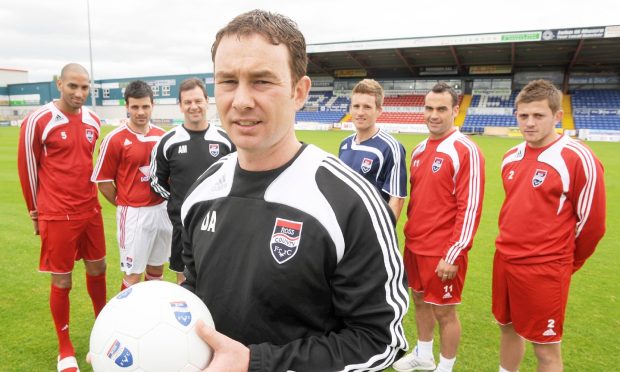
(549, 332)
(58, 117)
(127, 142)
(447, 295)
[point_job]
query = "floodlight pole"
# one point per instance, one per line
(90, 52)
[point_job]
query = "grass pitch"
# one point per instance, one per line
(28, 340)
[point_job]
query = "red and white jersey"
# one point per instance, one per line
(555, 203)
(55, 160)
(124, 158)
(447, 188)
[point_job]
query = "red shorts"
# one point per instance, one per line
(423, 279)
(532, 297)
(64, 242)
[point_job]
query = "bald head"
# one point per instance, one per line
(73, 67)
(74, 86)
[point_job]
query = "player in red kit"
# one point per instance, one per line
(550, 223)
(55, 150)
(447, 187)
(122, 173)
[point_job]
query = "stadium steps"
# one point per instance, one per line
(346, 118)
(465, 103)
(568, 122)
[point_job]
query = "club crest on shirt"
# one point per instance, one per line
(437, 165)
(90, 135)
(146, 172)
(366, 165)
(214, 149)
(285, 239)
(539, 177)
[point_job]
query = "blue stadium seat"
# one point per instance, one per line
(585, 100)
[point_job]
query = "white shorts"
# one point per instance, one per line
(143, 235)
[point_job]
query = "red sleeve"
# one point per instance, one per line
(28, 156)
(469, 191)
(108, 160)
(588, 193)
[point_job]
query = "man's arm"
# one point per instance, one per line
(28, 154)
(395, 177)
(106, 167)
(160, 170)
(469, 190)
(396, 205)
(588, 195)
(108, 189)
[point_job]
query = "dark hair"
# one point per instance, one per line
(442, 87)
(138, 89)
(274, 27)
(540, 90)
(191, 83)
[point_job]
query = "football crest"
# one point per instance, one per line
(285, 239)
(366, 165)
(539, 177)
(214, 149)
(437, 165)
(121, 356)
(90, 135)
(146, 172)
(181, 312)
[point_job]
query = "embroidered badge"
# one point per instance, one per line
(285, 239)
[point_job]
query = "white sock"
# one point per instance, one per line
(425, 349)
(445, 364)
(502, 369)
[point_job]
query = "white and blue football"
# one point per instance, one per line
(149, 327)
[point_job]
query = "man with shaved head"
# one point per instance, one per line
(56, 146)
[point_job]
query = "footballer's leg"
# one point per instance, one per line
(58, 252)
(549, 357)
(421, 358)
(159, 242)
(511, 349)
(92, 250)
(449, 333)
(96, 283)
(60, 309)
(154, 272)
(176, 250)
(130, 279)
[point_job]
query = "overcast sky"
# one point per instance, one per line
(159, 37)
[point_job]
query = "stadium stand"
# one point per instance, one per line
(490, 110)
(322, 107)
(584, 109)
(492, 100)
(401, 117)
(404, 100)
(326, 117)
(596, 109)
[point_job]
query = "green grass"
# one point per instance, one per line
(28, 341)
